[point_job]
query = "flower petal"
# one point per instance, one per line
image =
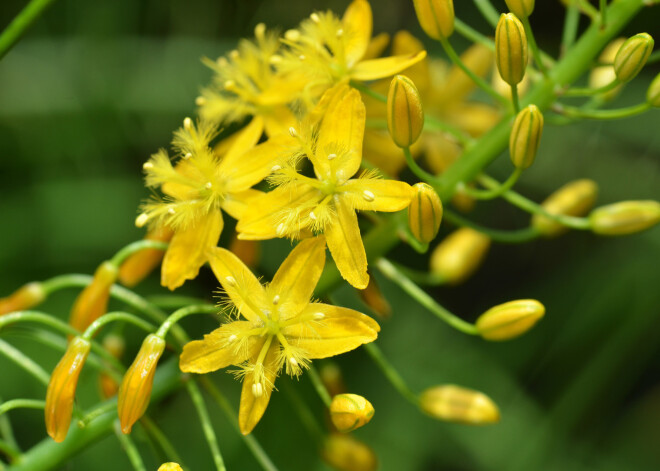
(245, 140)
(278, 121)
(235, 204)
(385, 67)
(252, 408)
(405, 43)
(377, 195)
(345, 244)
(479, 59)
(187, 250)
(357, 24)
(377, 45)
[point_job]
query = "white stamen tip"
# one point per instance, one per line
(275, 59)
(147, 166)
(340, 32)
(222, 62)
(312, 216)
(200, 101)
(234, 54)
(293, 361)
(187, 124)
(231, 281)
(187, 156)
(275, 168)
(292, 35)
(171, 211)
(232, 338)
(293, 132)
(260, 30)
(281, 229)
(318, 316)
(257, 390)
(332, 156)
(301, 57)
(229, 84)
(276, 299)
(208, 185)
(315, 18)
(368, 196)
(141, 220)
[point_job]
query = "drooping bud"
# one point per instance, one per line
(604, 75)
(246, 250)
(92, 302)
(140, 264)
(332, 378)
(25, 297)
(526, 136)
(509, 320)
(626, 217)
(424, 213)
(405, 116)
(510, 49)
(632, 56)
(436, 17)
(453, 403)
(114, 345)
(350, 411)
(573, 199)
(346, 453)
(170, 467)
(62, 388)
(459, 255)
(520, 8)
(373, 297)
(653, 93)
(135, 389)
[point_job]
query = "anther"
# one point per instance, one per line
(200, 101)
(260, 30)
(171, 211)
(275, 59)
(222, 62)
(318, 316)
(368, 196)
(231, 281)
(332, 156)
(208, 185)
(229, 85)
(340, 33)
(147, 166)
(293, 361)
(141, 220)
(275, 168)
(276, 299)
(187, 124)
(232, 338)
(257, 389)
(281, 229)
(315, 18)
(312, 216)
(293, 132)
(301, 57)
(234, 54)
(292, 35)
(187, 156)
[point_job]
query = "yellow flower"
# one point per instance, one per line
(92, 302)
(199, 188)
(282, 327)
(327, 204)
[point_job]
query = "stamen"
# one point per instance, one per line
(231, 281)
(281, 229)
(275, 59)
(315, 18)
(141, 220)
(275, 168)
(312, 216)
(257, 390)
(200, 101)
(368, 196)
(318, 316)
(187, 156)
(222, 62)
(292, 35)
(171, 211)
(234, 54)
(301, 57)
(208, 185)
(332, 156)
(187, 124)
(232, 338)
(293, 361)
(293, 132)
(276, 299)
(229, 85)
(147, 166)
(259, 31)
(340, 33)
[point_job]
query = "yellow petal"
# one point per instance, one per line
(340, 330)
(381, 151)
(345, 244)
(357, 24)
(216, 351)
(296, 278)
(235, 204)
(252, 408)
(376, 46)
(240, 284)
(474, 118)
(179, 190)
(279, 121)
(441, 152)
(187, 250)
(385, 67)
(377, 195)
(405, 43)
(245, 140)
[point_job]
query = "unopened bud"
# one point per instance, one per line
(526, 136)
(115, 346)
(135, 389)
(373, 297)
(510, 49)
(653, 93)
(25, 297)
(332, 378)
(405, 117)
(457, 404)
(520, 8)
(573, 199)
(346, 453)
(62, 388)
(170, 467)
(604, 75)
(626, 217)
(424, 213)
(247, 250)
(350, 411)
(632, 56)
(436, 17)
(509, 320)
(140, 264)
(92, 302)
(459, 255)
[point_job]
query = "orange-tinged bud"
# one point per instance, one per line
(424, 213)
(345, 453)
(114, 345)
(526, 136)
(626, 217)
(140, 264)
(373, 297)
(92, 302)
(510, 49)
(453, 403)
(23, 298)
(350, 411)
(246, 250)
(170, 467)
(62, 388)
(459, 255)
(575, 198)
(520, 8)
(405, 116)
(653, 93)
(332, 378)
(604, 75)
(632, 56)
(135, 389)
(509, 320)
(436, 17)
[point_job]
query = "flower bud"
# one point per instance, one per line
(653, 93)
(632, 56)
(135, 389)
(62, 388)
(405, 117)
(436, 17)
(350, 411)
(625, 217)
(573, 199)
(604, 75)
(92, 302)
(373, 297)
(510, 49)
(345, 453)
(459, 255)
(520, 8)
(424, 213)
(332, 378)
(246, 250)
(140, 264)
(23, 298)
(457, 404)
(509, 320)
(526, 136)
(170, 467)
(114, 345)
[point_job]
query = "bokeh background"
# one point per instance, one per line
(95, 87)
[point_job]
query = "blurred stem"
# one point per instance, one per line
(21, 404)
(12, 453)
(588, 9)
(161, 439)
(506, 237)
(473, 35)
(416, 169)
(134, 247)
(571, 24)
(13, 32)
(129, 447)
(179, 314)
(574, 112)
(25, 362)
(8, 433)
(408, 238)
(113, 317)
(495, 191)
(603, 13)
(488, 11)
(592, 91)
(173, 301)
(304, 413)
(391, 373)
(420, 277)
(207, 426)
(536, 52)
(515, 99)
(319, 386)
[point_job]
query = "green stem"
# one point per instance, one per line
(25, 362)
(571, 24)
(304, 413)
(134, 247)
(573, 112)
(592, 91)
(157, 436)
(95, 413)
(473, 35)
(21, 404)
(515, 99)
(603, 13)
(406, 236)
(536, 52)
(7, 433)
(129, 447)
(495, 192)
(12, 453)
(416, 169)
(505, 237)
(391, 373)
(589, 10)
(179, 314)
(419, 277)
(207, 426)
(13, 32)
(319, 386)
(488, 11)
(173, 301)
(113, 317)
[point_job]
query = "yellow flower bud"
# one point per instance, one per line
(436, 17)
(135, 389)
(453, 403)
(459, 255)
(653, 93)
(345, 453)
(424, 213)
(632, 56)
(373, 297)
(62, 388)
(625, 217)
(405, 117)
(526, 136)
(23, 298)
(114, 345)
(92, 302)
(332, 378)
(520, 8)
(509, 320)
(140, 264)
(603, 75)
(170, 467)
(573, 199)
(350, 411)
(510, 49)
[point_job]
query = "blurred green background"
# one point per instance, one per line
(95, 87)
